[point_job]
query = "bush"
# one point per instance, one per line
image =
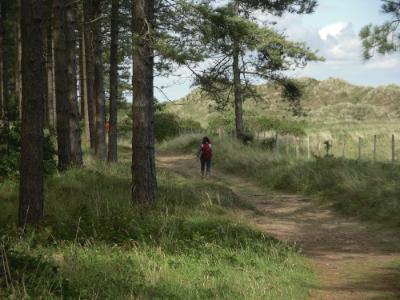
(166, 125)
(189, 125)
(10, 150)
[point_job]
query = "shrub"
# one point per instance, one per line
(10, 150)
(166, 125)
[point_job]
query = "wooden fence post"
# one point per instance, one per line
(344, 147)
(393, 148)
(287, 145)
(276, 144)
(374, 149)
(359, 147)
(308, 147)
(297, 148)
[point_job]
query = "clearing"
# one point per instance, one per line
(352, 259)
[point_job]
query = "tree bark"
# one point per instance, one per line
(61, 83)
(47, 19)
(33, 90)
(51, 107)
(89, 74)
(100, 142)
(1, 61)
(84, 81)
(112, 133)
(143, 155)
(75, 130)
(5, 76)
(237, 85)
(18, 69)
(81, 58)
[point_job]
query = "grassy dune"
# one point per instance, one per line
(93, 244)
(326, 101)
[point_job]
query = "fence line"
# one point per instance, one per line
(370, 147)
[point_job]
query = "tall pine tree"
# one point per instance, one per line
(241, 50)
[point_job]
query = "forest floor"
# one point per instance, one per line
(351, 259)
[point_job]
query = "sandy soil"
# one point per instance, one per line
(352, 259)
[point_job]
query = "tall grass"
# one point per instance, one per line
(93, 244)
(358, 188)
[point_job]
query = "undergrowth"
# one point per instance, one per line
(94, 244)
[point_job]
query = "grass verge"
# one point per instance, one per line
(357, 188)
(94, 244)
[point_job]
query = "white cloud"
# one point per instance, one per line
(333, 30)
(339, 43)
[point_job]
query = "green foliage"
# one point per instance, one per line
(280, 126)
(225, 121)
(188, 125)
(264, 53)
(280, 6)
(383, 38)
(10, 150)
(166, 125)
(93, 243)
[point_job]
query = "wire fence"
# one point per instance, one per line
(378, 147)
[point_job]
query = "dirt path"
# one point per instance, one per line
(352, 260)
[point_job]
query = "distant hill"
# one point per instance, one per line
(321, 101)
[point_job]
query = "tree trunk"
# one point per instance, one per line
(89, 74)
(237, 85)
(143, 155)
(18, 68)
(81, 58)
(100, 145)
(112, 134)
(47, 19)
(5, 76)
(75, 130)
(61, 82)
(33, 90)
(84, 81)
(238, 95)
(1, 61)
(51, 109)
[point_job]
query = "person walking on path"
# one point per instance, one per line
(205, 155)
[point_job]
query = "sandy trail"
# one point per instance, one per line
(352, 260)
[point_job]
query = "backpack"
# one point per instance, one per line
(206, 152)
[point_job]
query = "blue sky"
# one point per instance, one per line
(333, 30)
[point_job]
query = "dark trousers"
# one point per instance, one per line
(205, 164)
